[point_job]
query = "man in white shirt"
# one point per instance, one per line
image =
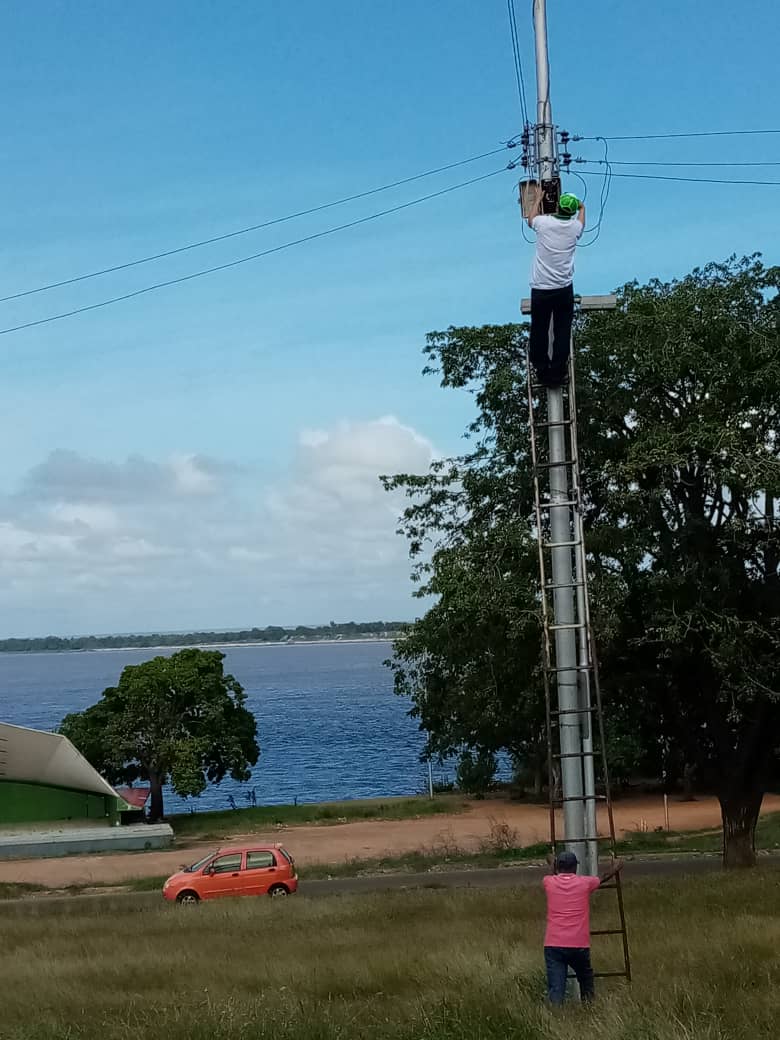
(552, 289)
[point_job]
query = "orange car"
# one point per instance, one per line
(243, 870)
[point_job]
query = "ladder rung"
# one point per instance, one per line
(554, 465)
(571, 502)
(566, 626)
(580, 798)
(564, 585)
(578, 754)
(580, 841)
(573, 711)
(562, 545)
(552, 425)
(608, 931)
(601, 974)
(567, 668)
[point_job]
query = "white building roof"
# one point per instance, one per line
(35, 756)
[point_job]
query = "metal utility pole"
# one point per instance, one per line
(570, 659)
(545, 133)
(562, 534)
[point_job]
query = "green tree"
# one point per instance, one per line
(682, 460)
(471, 664)
(678, 394)
(476, 772)
(177, 720)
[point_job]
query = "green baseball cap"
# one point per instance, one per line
(568, 204)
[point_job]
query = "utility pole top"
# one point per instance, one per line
(584, 303)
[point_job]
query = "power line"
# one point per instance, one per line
(252, 227)
(658, 137)
(627, 162)
(689, 180)
(574, 173)
(605, 189)
(254, 256)
(510, 6)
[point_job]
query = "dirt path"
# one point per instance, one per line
(370, 838)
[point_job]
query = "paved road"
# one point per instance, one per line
(501, 877)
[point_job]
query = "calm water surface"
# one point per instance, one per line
(329, 723)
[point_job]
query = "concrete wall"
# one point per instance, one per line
(38, 803)
(82, 840)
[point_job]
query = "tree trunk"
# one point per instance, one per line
(740, 816)
(557, 791)
(687, 781)
(156, 799)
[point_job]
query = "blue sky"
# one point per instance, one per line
(129, 129)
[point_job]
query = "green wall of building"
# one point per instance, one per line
(38, 803)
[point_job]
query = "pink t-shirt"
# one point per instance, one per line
(568, 909)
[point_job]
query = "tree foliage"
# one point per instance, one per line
(269, 634)
(177, 720)
(678, 394)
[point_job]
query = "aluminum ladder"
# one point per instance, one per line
(557, 485)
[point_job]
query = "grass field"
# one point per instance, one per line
(767, 837)
(427, 965)
(497, 850)
(217, 825)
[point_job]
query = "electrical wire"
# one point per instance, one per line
(510, 6)
(689, 180)
(626, 162)
(574, 173)
(605, 190)
(252, 227)
(254, 256)
(658, 137)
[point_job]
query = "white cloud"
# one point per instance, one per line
(192, 475)
(89, 516)
(66, 473)
(100, 545)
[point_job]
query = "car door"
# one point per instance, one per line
(223, 877)
(260, 873)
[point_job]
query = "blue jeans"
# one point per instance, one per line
(558, 960)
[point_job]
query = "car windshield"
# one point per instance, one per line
(201, 863)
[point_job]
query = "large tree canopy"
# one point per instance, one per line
(177, 720)
(678, 394)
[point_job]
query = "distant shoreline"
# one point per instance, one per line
(202, 646)
(230, 646)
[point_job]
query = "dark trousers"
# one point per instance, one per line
(558, 960)
(556, 306)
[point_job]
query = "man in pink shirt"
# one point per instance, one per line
(567, 938)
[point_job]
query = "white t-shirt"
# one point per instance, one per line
(556, 240)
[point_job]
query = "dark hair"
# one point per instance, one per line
(567, 863)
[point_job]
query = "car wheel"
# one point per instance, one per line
(187, 898)
(277, 890)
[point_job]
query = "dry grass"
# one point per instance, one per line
(221, 824)
(426, 965)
